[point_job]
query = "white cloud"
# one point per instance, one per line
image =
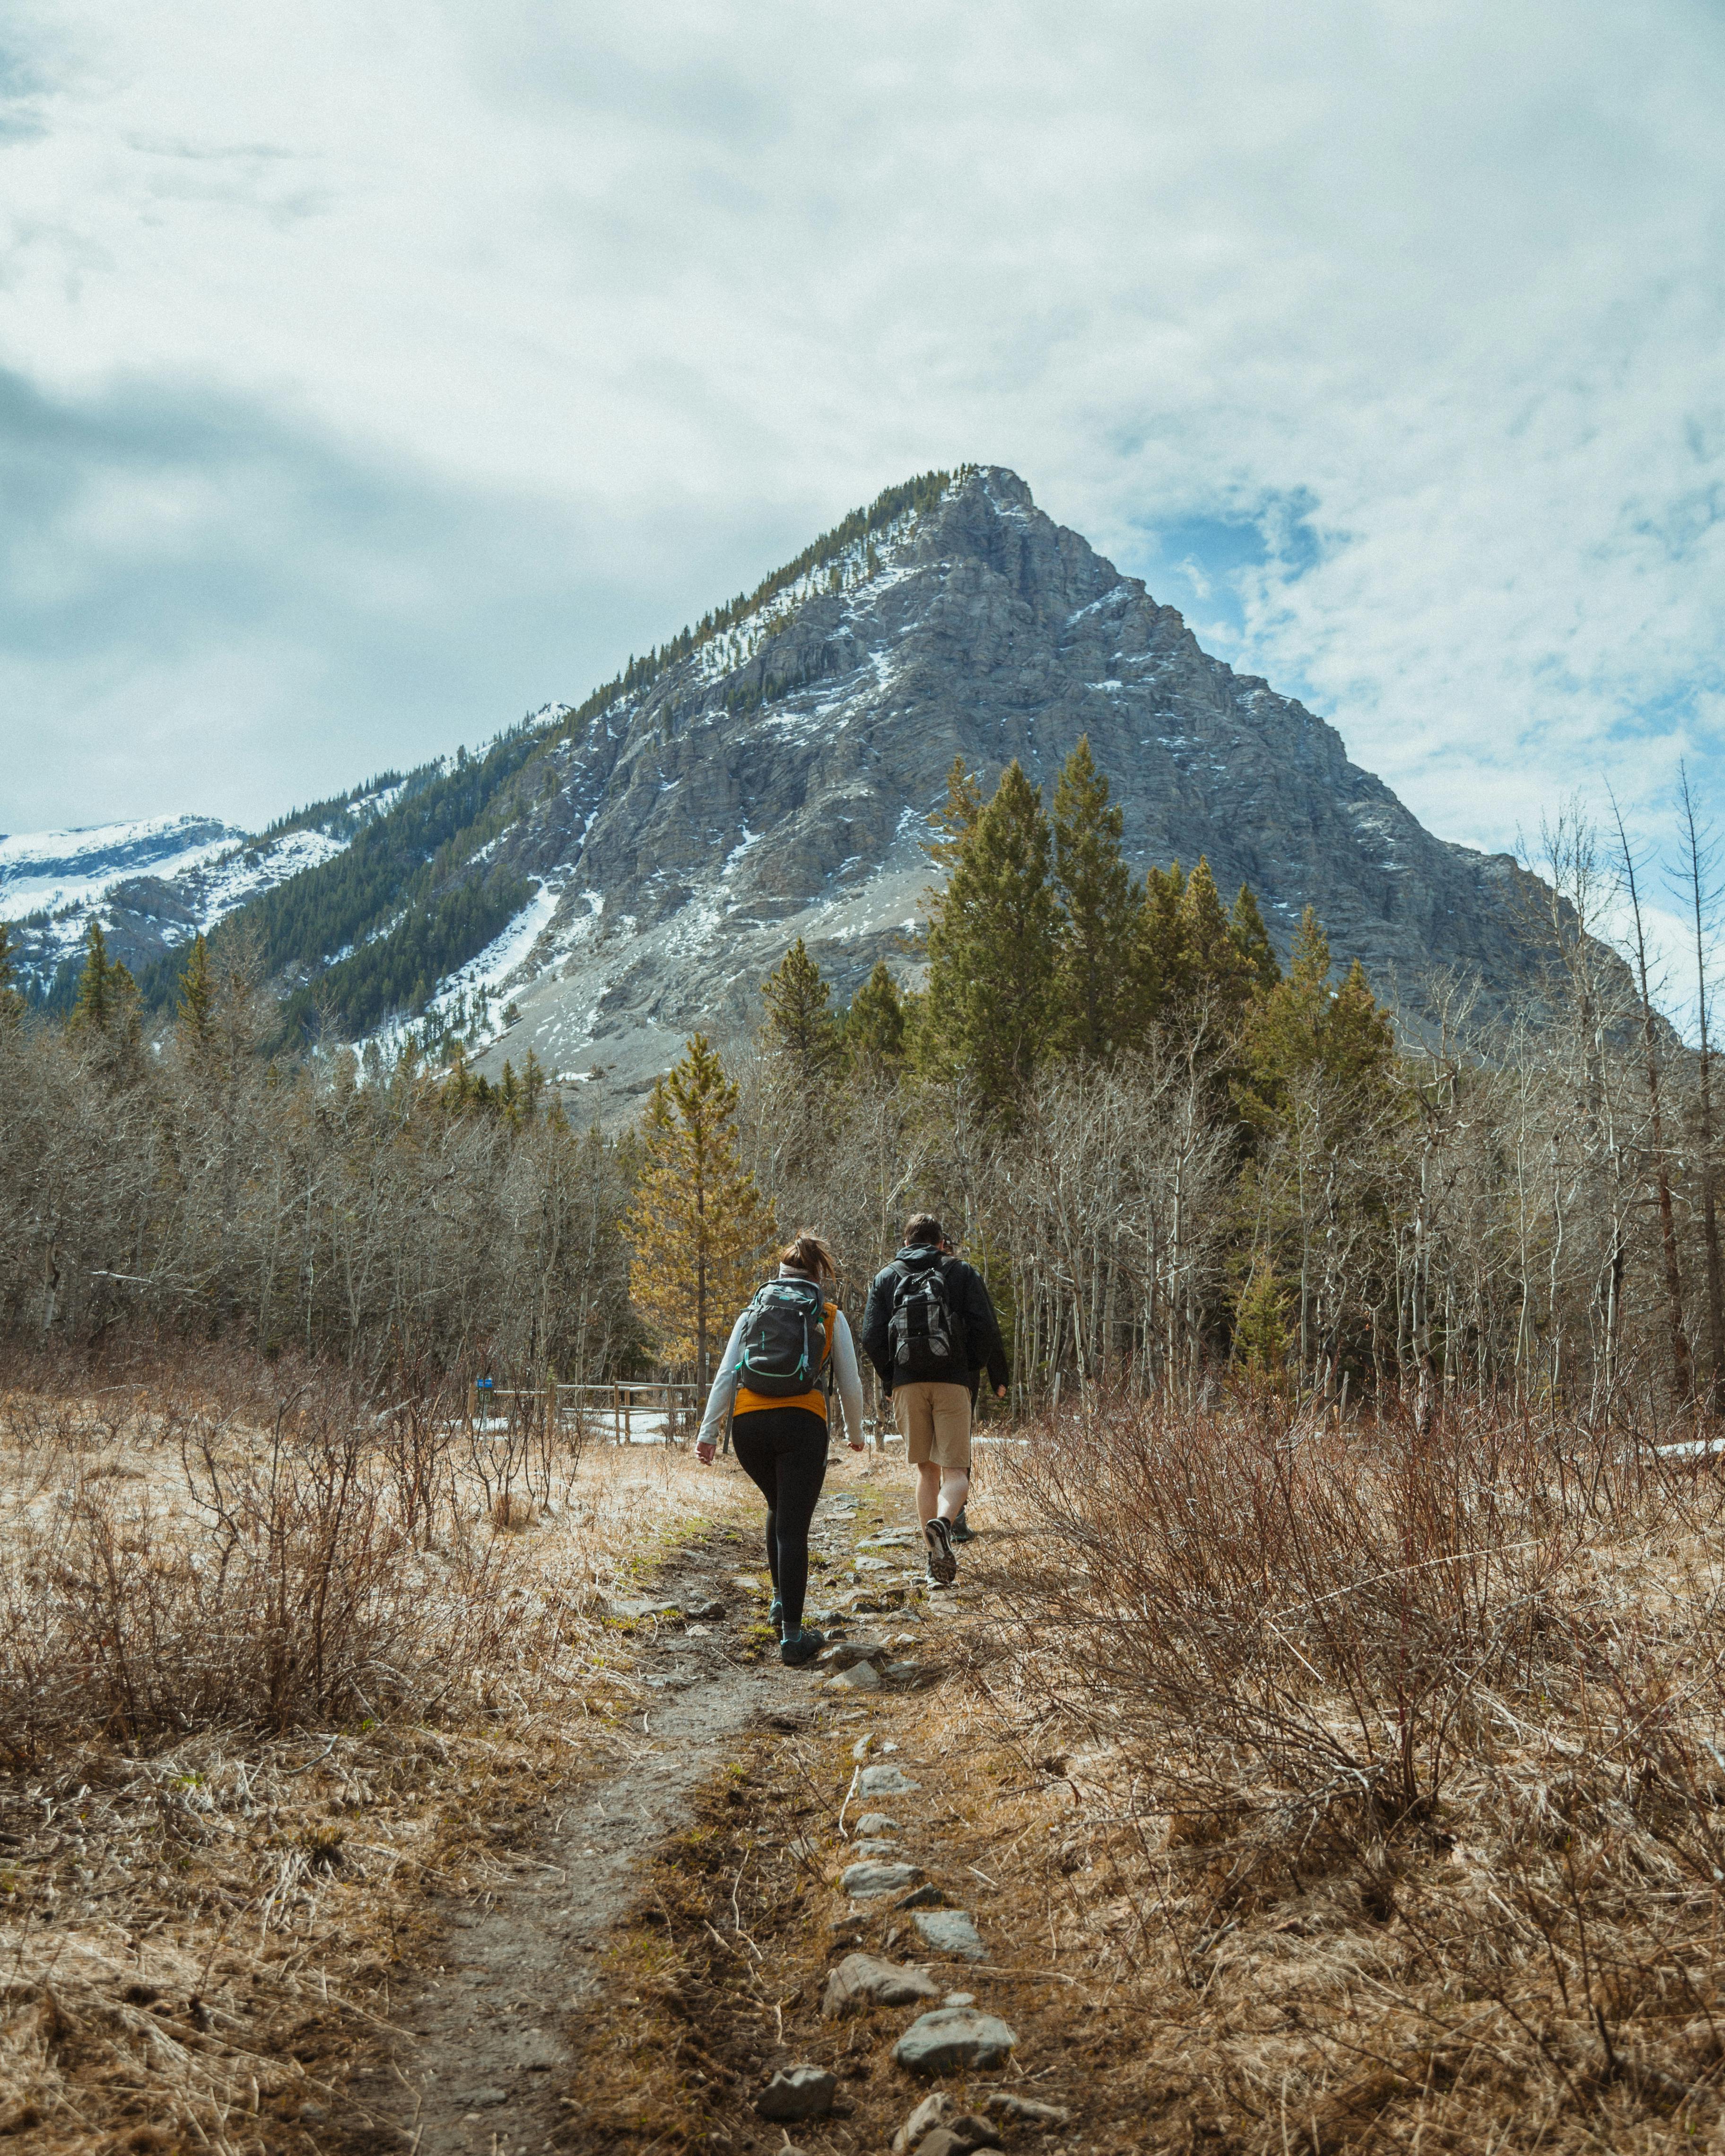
(1410, 314)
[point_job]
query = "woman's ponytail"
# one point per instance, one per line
(808, 1253)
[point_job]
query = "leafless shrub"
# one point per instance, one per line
(1420, 1734)
(280, 1586)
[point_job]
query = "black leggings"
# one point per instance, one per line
(784, 1451)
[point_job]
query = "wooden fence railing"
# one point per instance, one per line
(616, 1404)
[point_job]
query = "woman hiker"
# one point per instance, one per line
(770, 1383)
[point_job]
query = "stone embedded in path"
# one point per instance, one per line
(862, 1881)
(960, 2139)
(861, 1676)
(933, 2111)
(864, 1979)
(887, 1845)
(630, 1609)
(938, 2124)
(951, 1931)
(871, 1601)
(953, 2037)
(885, 1782)
(846, 1652)
(1025, 2110)
(930, 1897)
(876, 1823)
(797, 2092)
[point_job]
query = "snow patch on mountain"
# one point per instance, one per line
(41, 871)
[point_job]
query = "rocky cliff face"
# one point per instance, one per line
(775, 784)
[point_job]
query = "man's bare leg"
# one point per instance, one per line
(928, 1492)
(942, 1489)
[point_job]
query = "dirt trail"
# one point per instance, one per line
(489, 2065)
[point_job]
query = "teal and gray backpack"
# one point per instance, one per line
(784, 1339)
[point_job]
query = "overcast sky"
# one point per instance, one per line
(370, 375)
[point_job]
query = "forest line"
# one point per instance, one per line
(1172, 1157)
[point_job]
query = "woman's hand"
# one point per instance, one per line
(704, 1452)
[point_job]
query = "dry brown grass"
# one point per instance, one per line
(1397, 1768)
(268, 1677)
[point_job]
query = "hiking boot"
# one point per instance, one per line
(961, 1529)
(775, 1616)
(942, 1565)
(797, 1652)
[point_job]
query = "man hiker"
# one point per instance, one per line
(927, 1327)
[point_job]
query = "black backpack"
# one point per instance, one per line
(784, 1339)
(926, 1337)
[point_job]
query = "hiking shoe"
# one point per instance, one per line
(961, 1530)
(942, 1565)
(797, 1652)
(775, 1616)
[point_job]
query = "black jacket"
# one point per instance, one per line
(969, 1299)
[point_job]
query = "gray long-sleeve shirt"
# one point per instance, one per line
(719, 1400)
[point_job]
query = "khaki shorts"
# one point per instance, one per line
(934, 1421)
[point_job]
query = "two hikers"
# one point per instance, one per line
(772, 1382)
(929, 1330)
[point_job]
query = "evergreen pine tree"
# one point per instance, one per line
(1096, 985)
(875, 1025)
(798, 1024)
(1245, 924)
(198, 995)
(1261, 1331)
(956, 818)
(1219, 979)
(1309, 961)
(1303, 1026)
(108, 1005)
(532, 1085)
(1160, 971)
(1355, 1040)
(992, 950)
(94, 1009)
(698, 1222)
(12, 1004)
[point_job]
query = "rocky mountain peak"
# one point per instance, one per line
(776, 781)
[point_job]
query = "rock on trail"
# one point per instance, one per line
(950, 1931)
(953, 2038)
(862, 1980)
